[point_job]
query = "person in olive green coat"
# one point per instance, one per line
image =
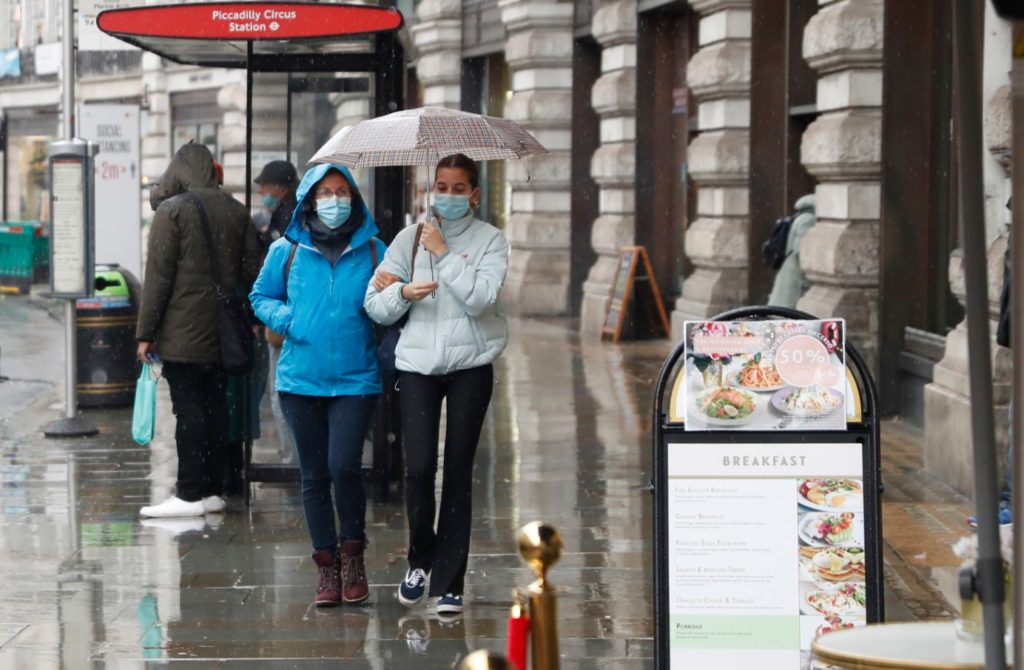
(790, 281)
(178, 319)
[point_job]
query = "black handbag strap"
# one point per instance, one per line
(211, 250)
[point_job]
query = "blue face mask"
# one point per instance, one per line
(334, 211)
(270, 202)
(451, 207)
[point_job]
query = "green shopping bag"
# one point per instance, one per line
(144, 411)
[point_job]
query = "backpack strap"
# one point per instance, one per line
(288, 268)
(415, 248)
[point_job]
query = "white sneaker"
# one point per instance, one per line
(174, 506)
(176, 525)
(214, 504)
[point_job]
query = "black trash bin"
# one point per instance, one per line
(106, 344)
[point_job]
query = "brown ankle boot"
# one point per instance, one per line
(328, 592)
(354, 588)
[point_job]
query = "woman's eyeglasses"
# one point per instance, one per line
(327, 193)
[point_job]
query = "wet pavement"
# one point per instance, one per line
(85, 584)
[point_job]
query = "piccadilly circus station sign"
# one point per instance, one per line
(249, 20)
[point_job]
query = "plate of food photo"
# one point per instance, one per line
(809, 402)
(726, 406)
(833, 565)
(842, 601)
(828, 495)
(835, 622)
(758, 377)
(831, 530)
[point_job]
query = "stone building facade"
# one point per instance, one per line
(569, 72)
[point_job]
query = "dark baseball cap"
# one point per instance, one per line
(278, 172)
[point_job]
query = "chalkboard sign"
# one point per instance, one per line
(633, 281)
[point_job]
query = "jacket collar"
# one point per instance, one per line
(456, 227)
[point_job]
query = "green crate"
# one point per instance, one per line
(17, 254)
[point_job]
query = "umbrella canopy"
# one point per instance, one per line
(424, 136)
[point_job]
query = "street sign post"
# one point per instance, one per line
(767, 533)
(71, 242)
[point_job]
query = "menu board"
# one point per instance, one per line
(764, 376)
(70, 235)
(766, 550)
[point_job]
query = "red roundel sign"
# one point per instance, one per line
(248, 20)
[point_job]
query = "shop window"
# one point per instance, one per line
(203, 133)
(26, 189)
(195, 117)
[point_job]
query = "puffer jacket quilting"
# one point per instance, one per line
(461, 326)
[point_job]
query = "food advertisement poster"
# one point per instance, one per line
(765, 375)
(766, 547)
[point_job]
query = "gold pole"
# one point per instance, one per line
(485, 660)
(541, 546)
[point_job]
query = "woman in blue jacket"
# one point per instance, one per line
(311, 291)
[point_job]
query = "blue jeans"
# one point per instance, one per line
(329, 434)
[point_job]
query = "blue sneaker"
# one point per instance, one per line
(449, 603)
(1005, 515)
(411, 590)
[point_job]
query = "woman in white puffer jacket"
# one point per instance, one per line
(449, 287)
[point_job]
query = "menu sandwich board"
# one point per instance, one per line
(767, 532)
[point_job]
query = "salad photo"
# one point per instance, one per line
(725, 404)
(832, 494)
(831, 530)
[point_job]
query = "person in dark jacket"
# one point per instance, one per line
(178, 318)
(311, 292)
(276, 185)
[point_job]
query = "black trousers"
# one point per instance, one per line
(443, 552)
(199, 400)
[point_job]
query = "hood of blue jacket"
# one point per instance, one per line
(304, 197)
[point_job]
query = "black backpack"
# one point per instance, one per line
(773, 252)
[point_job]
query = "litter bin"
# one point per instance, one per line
(17, 254)
(106, 340)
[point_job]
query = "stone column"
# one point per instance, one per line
(719, 158)
(156, 130)
(614, 163)
(947, 406)
(539, 55)
(843, 150)
(270, 125)
(437, 36)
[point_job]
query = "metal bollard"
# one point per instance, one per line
(540, 545)
(485, 660)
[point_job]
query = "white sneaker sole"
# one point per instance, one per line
(449, 609)
(407, 602)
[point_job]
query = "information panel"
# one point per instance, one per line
(766, 551)
(70, 236)
(766, 492)
(118, 224)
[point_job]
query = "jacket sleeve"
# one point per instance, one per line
(268, 296)
(388, 306)
(476, 288)
(163, 252)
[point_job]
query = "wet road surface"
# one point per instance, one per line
(86, 584)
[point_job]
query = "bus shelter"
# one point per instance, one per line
(306, 54)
